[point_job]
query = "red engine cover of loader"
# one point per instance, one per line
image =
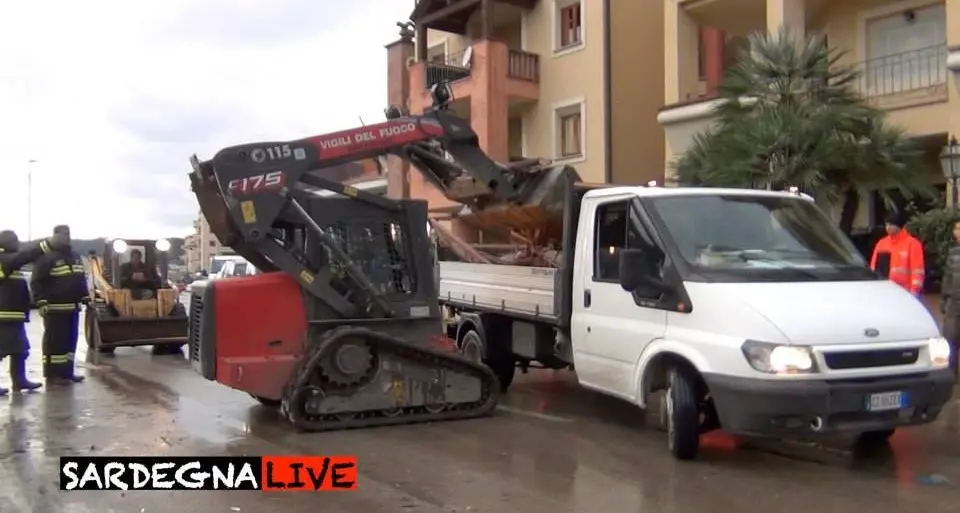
(260, 331)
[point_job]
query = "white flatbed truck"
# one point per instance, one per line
(749, 308)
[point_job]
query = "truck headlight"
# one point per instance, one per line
(779, 359)
(939, 349)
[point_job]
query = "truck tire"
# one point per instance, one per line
(683, 414)
(503, 365)
(472, 346)
(875, 438)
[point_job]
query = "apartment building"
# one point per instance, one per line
(908, 52)
(575, 81)
(201, 245)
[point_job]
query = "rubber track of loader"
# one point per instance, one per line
(292, 404)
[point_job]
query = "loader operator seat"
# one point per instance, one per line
(140, 278)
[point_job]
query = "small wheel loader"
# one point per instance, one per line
(343, 329)
(121, 315)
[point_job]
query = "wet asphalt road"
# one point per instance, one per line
(551, 447)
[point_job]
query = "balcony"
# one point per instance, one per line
(909, 86)
(456, 66)
(483, 68)
(905, 79)
(447, 68)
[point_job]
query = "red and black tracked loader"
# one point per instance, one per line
(340, 329)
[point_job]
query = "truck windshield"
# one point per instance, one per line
(740, 237)
(216, 264)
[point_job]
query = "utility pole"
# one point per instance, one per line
(30, 164)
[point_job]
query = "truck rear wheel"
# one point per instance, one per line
(503, 365)
(472, 347)
(683, 414)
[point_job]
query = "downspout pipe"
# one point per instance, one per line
(607, 97)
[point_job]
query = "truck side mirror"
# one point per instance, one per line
(639, 269)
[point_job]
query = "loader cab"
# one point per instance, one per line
(154, 254)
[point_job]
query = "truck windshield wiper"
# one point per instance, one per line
(753, 256)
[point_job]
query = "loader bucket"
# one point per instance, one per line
(539, 205)
(142, 332)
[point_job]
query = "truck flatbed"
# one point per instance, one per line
(509, 289)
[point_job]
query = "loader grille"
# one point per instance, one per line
(193, 329)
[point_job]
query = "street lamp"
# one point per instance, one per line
(950, 164)
(30, 164)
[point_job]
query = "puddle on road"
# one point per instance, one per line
(183, 413)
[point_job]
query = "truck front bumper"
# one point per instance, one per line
(764, 407)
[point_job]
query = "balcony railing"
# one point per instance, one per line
(903, 72)
(447, 68)
(523, 65)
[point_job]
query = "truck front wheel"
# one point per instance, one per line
(683, 414)
(875, 438)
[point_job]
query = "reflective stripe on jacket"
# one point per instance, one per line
(906, 260)
(59, 281)
(14, 292)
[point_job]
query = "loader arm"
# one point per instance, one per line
(257, 196)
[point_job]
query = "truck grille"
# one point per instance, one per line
(193, 330)
(867, 359)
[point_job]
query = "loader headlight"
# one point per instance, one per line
(779, 359)
(939, 351)
(163, 245)
(119, 246)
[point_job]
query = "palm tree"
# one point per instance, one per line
(791, 117)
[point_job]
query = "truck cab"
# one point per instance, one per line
(233, 268)
(749, 308)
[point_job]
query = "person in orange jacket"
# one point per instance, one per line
(899, 256)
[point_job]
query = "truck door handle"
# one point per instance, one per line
(586, 298)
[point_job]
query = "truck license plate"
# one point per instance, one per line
(886, 401)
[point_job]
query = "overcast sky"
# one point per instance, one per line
(111, 97)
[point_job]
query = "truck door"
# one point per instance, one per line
(613, 326)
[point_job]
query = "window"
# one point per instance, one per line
(620, 225)
(610, 237)
(570, 131)
(213, 244)
(569, 25)
(734, 237)
(906, 51)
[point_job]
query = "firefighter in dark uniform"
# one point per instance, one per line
(15, 305)
(60, 287)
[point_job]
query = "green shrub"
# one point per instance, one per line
(934, 228)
